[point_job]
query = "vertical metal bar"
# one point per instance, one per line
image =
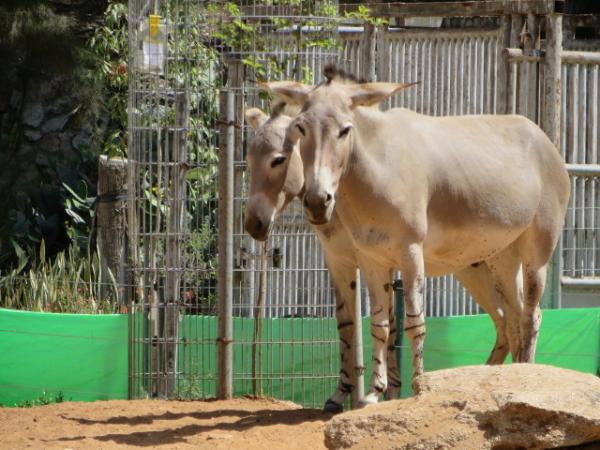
(593, 202)
(398, 291)
(225, 274)
(175, 228)
(359, 369)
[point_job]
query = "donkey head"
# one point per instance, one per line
(274, 167)
(326, 131)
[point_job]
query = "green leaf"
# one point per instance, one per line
(197, 173)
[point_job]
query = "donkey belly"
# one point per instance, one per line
(449, 250)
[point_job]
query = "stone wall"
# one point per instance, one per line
(48, 120)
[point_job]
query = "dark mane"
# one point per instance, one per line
(332, 72)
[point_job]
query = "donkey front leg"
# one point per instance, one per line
(413, 275)
(380, 288)
(343, 274)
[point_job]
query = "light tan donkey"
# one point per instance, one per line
(431, 196)
(275, 180)
(276, 177)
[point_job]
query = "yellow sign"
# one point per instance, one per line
(154, 25)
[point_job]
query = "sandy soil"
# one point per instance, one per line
(233, 424)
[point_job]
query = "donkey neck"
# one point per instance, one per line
(380, 151)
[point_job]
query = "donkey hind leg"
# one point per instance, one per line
(343, 279)
(479, 282)
(531, 320)
(393, 372)
(379, 284)
(536, 246)
(507, 279)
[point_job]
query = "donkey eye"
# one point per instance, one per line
(301, 129)
(344, 131)
(278, 160)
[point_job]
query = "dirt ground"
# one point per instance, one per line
(233, 424)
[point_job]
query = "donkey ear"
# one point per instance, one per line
(255, 117)
(369, 94)
(291, 92)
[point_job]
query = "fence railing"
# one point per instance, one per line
(579, 146)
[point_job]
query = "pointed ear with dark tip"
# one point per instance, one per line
(290, 92)
(369, 94)
(255, 117)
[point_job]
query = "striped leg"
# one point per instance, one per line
(413, 276)
(343, 280)
(479, 281)
(534, 280)
(379, 284)
(393, 373)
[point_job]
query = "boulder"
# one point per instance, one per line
(33, 134)
(518, 406)
(56, 123)
(33, 114)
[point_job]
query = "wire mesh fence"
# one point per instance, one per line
(581, 234)
(173, 111)
(195, 67)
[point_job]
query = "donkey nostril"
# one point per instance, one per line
(306, 201)
(258, 225)
(328, 199)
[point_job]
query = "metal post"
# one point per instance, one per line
(175, 228)
(399, 311)
(551, 125)
(359, 368)
(225, 281)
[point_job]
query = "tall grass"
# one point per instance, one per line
(72, 282)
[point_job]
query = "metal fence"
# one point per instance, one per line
(188, 142)
(194, 69)
(173, 137)
(580, 147)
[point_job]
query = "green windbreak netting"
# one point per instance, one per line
(84, 357)
(569, 338)
(73, 356)
(300, 359)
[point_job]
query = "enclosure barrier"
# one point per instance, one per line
(48, 357)
(84, 357)
(186, 130)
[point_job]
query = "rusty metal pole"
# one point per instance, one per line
(225, 274)
(359, 367)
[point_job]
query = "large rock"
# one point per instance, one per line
(518, 406)
(32, 114)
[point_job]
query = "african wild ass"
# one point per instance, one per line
(275, 180)
(431, 196)
(276, 177)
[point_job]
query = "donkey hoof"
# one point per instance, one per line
(369, 399)
(333, 407)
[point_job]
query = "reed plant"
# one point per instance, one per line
(72, 282)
